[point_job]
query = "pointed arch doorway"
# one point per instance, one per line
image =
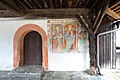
(18, 45)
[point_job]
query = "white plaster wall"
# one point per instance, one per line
(57, 62)
(8, 27)
(68, 61)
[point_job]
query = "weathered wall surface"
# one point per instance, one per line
(7, 31)
(70, 61)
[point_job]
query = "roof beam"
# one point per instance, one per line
(116, 8)
(11, 6)
(57, 12)
(88, 22)
(8, 13)
(51, 4)
(101, 15)
(112, 13)
(115, 5)
(60, 3)
(83, 23)
(70, 2)
(19, 1)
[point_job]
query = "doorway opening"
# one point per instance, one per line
(35, 32)
(33, 48)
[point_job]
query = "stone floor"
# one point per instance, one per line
(26, 72)
(35, 72)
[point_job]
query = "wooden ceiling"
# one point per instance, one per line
(22, 7)
(116, 7)
(114, 11)
(88, 12)
(15, 8)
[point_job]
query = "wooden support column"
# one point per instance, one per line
(93, 50)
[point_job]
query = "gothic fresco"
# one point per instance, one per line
(66, 35)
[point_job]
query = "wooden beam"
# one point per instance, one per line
(74, 4)
(77, 3)
(112, 13)
(32, 3)
(51, 4)
(11, 6)
(45, 4)
(37, 3)
(82, 22)
(28, 3)
(70, 2)
(55, 13)
(89, 23)
(115, 5)
(97, 16)
(48, 3)
(41, 2)
(100, 17)
(8, 13)
(117, 11)
(116, 8)
(19, 1)
(60, 3)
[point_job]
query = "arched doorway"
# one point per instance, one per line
(33, 48)
(18, 45)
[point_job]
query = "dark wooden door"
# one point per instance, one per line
(33, 48)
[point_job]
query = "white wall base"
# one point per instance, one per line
(68, 61)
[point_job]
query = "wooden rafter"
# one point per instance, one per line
(77, 2)
(19, 1)
(37, 3)
(41, 3)
(51, 4)
(115, 5)
(73, 4)
(48, 3)
(89, 23)
(56, 3)
(3, 6)
(112, 13)
(101, 15)
(116, 8)
(70, 2)
(12, 7)
(60, 3)
(83, 23)
(31, 2)
(8, 13)
(118, 11)
(45, 4)
(28, 4)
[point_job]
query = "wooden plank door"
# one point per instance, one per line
(33, 48)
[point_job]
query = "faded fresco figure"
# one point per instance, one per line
(57, 38)
(66, 36)
(69, 37)
(82, 41)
